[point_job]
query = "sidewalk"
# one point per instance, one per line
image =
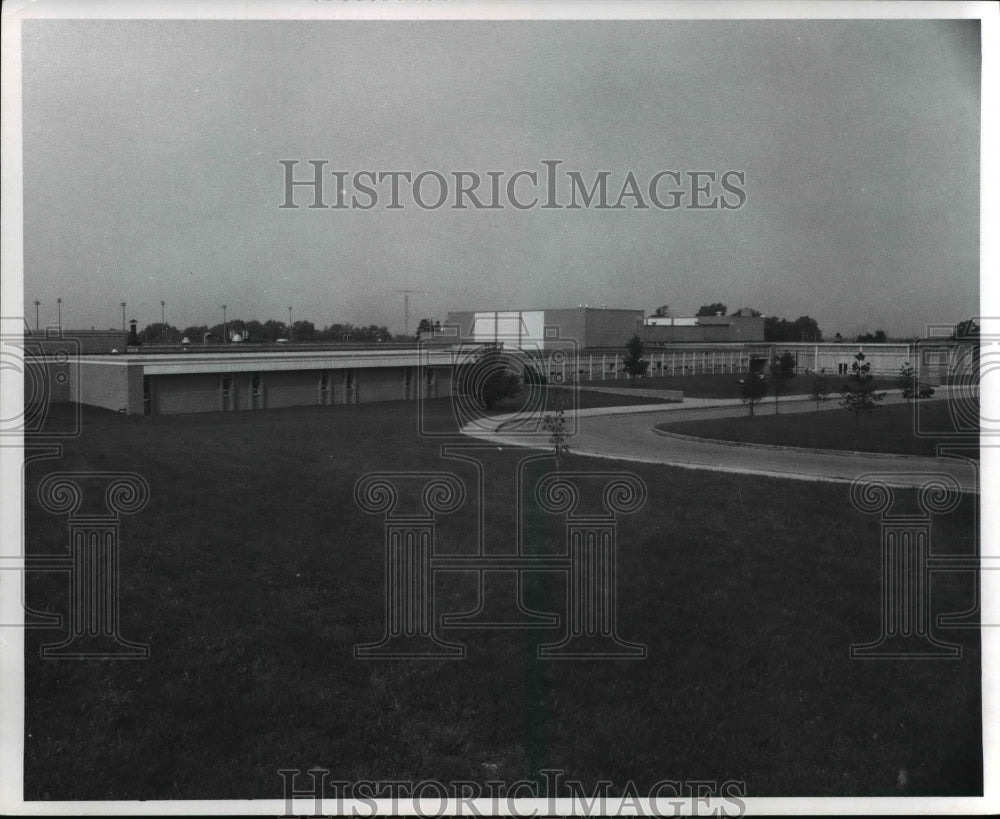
(626, 433)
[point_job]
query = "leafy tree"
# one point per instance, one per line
(159, 333)
(878, 337)
(782, 371)
(910, 386)
(907, 380)
(859, 393)
(662, 311)
(803, 328)
(489, 378)
(195, 333)
(820, 385)
(273, 330)
(633, 363)
(712, 309)
(555, 425)
(304, 331)
(753, 387)
(965, 330)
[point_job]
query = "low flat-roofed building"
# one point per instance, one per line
(162, 383)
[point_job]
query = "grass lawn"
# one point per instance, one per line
(722, 385)
(888, 429)
(252, 574)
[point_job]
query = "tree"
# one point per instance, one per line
(159, 333)
(633, 363)
(272, 330)
(555, 425)
(662, 311)
(859, 393)
(488, 379)
(195, 333)
(878, 337)
(804, 328)
(782, 370)
(304, 331)
(966, 330)
(718, 308)
(820, 386)
(753, 387)
(910, 386)
(425, 326)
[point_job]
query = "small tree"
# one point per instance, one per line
(782, 370)
(820, 386)
(555, 425)
(907, 380)
(859, 393)
(633, 363)
(753, 387)
(488, 379)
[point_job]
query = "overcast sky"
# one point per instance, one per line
(152, 149)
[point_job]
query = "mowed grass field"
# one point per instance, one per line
(889, 429)
(724, 385)
(252, 575)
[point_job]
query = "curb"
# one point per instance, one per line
(847, 453)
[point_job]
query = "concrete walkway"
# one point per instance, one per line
(626, 433)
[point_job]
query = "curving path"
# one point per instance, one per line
(626, 433)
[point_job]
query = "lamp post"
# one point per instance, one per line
(59, 308)
(163, 313)
(37, 302)
(225, 336)
(289, 323)
(123, 318)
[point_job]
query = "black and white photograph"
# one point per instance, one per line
(499, 408)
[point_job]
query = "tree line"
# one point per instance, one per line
(262, 332)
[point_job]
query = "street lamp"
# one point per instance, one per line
(59, 308)
(224, 334)
(163, 312)
(123, 317)
(289, 323)
(37, 302)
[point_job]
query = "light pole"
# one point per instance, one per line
(163, 313)
(123, 318)
(224, 334)
(37, 302)
(59, 308)
(289, 323)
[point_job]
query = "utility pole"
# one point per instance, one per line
(123, 318)
(406, 308)
(37, 302)
(289, 323)
(224, 339)
(59, 308)
(163, 313)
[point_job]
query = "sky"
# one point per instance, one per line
(152, 150)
